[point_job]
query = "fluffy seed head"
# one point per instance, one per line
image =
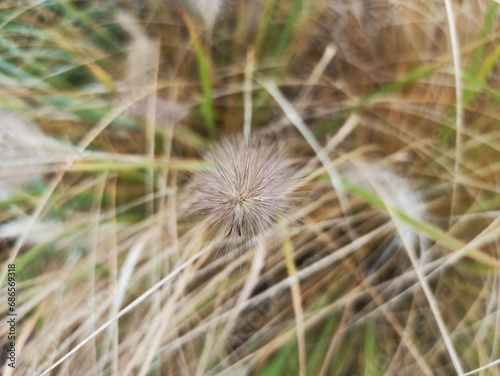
(249, 185)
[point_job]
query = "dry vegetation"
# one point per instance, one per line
(389, 109)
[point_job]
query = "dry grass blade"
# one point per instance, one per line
(250, 66)
(459, 94)
(297, 307)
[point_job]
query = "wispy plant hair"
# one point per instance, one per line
(244, 190)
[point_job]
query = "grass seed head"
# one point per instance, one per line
(248, 186)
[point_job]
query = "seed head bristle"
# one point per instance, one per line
(248, 187)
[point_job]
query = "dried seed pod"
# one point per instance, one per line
(248, 186)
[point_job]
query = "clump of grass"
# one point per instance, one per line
(393, 265)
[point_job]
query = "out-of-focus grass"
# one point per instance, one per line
(340, 296)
